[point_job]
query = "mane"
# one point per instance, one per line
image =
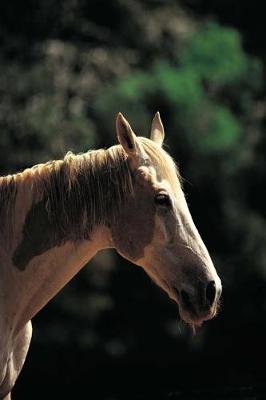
(8, 194)
(84, 190)
(81, 191)
(76, 193)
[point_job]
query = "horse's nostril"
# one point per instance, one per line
(185, 298)
(211, 292)
(187, 302)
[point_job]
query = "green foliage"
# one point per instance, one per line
(216, 55)
(179, 86)
(211, 67)
(223, 130)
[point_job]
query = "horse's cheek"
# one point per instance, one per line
(134, 230)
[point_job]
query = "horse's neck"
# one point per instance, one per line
(26, 292)
(49, 272)
(26, 287)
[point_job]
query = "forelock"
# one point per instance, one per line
(163, 162)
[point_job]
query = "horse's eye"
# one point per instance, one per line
(162, 199)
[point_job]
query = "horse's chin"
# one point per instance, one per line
(196, 321)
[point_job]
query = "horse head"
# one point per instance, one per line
(154, 228)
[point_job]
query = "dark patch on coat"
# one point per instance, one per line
(79, 193)
(38, 236)
(134, 227)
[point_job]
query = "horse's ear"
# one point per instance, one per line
(157, 129)
(128, 140)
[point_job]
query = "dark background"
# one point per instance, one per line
(66, 69)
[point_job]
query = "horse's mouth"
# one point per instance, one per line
(191, 314)
(196, 319)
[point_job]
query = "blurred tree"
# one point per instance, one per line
(200, 89)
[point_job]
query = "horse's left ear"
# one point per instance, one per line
(129, 141)
(157, 129)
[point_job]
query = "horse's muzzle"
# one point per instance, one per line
(199, 304)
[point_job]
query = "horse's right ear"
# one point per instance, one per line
(128, 140)
(157, 129)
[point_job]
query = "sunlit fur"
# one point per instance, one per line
(84, 190)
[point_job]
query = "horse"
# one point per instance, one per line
(56, 216)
